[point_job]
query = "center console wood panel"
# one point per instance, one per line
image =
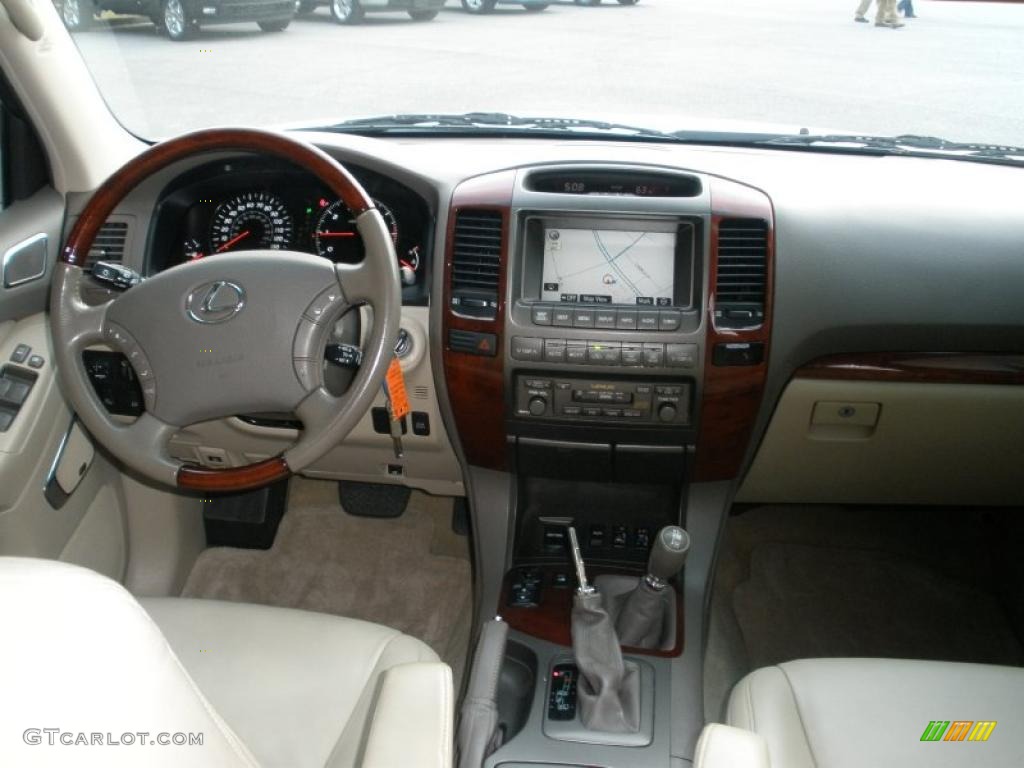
(476, 386)
(732, 394)
(550, 619)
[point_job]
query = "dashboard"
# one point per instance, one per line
(249, 203)
(634, 311)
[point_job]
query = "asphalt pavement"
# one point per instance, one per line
(957, 71)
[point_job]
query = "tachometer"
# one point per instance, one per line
(336, 236)
(251, 220)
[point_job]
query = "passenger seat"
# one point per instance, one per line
(883, 713)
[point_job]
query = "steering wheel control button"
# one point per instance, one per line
(681, 355)
(527, 348)
(324, 306)
(116, 335)
(215, 302)
(308, 373)
(20, 353)
(304, 346)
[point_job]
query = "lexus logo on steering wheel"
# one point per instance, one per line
(215, 302)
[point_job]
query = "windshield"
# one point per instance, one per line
(946, 69)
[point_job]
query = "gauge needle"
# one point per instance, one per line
(335, 234)
(405, 263)
(233, 240)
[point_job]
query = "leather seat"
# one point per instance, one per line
(841, 713)
(264, 686)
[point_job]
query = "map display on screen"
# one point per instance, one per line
(608, 266)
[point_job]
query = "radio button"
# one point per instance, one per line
(603, 352)
(632, 413)
(604, 318)
(654, 355)
(591, 411)
(667, 412)
(583, 318)
(571, 410)
(561, 317)
(526, 348)
(647, 320)
(681, 355)
(538, 383)
(554, 351)
(576, 352)
(669, 319)
(626, 320)
(632, 354)
(612, 412)
(541, 315)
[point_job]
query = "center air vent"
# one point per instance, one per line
(476, 263)
(109, 244)
(742, 272)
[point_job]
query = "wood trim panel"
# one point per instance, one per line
(926, 367)
(244, 478)
(551, 619)
(732, 394)
(476, 384)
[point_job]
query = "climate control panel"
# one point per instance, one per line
(599, 400)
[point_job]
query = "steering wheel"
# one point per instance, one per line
(237, 333)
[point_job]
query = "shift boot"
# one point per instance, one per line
(641, 619)
(608, 690)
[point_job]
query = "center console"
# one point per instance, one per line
(605, 342)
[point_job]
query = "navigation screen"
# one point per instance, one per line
(608, 266)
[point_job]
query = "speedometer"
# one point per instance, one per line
(251, 220)
(336, 235)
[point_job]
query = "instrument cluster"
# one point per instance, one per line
(251, 204)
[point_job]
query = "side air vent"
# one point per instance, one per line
(742, 272)
(476, 263)
(110, 243)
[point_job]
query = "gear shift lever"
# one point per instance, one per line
(640, 621)
(608, 691)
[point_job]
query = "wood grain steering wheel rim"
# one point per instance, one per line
(161, 156)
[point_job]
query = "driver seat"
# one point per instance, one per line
(264, 686)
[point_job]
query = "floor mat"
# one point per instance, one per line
(798, 581)
(411, 573)
(804, 601)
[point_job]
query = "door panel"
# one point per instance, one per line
(87, 526)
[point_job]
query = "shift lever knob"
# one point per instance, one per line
(668, 555)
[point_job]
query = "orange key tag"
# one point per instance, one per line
(394, 382)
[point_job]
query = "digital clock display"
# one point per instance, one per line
(614, 183)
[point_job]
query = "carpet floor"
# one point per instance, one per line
(411, 573)
(807, 582)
